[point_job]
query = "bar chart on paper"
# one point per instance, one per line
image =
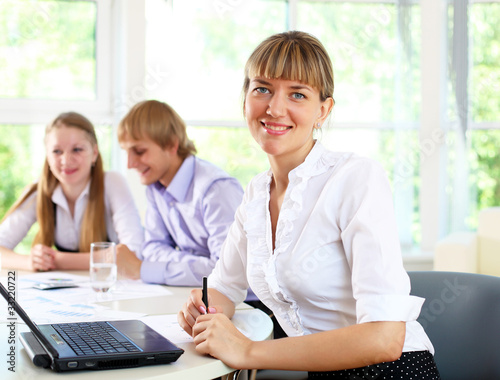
(78, 303)
(44, 310)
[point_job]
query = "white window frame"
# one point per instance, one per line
(121, 46)
(41, 111)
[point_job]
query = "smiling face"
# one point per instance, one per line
(282, 114)
(152, 162)
(70, 155)
(288, 89)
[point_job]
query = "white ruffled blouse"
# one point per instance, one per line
(337, 259)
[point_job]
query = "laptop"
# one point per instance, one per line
(93, 345)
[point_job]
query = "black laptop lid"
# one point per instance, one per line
(32, 325)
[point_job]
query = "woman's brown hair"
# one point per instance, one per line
(292, 55)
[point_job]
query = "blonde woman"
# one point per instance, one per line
(74, 202)
(315, 238)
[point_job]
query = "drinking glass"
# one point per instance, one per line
(103, 271)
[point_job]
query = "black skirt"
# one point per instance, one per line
(415, 365)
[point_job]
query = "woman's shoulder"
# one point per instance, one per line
(347, 167)
(358, 174)
(325, 162)
(26, 203)
(344, 159)
(28, 195)
(363, 164)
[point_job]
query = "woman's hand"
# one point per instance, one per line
(192, 309)
(43, 258)
(215, 335)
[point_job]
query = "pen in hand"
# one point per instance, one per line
(205, 294)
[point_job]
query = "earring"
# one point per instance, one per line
(318, 125)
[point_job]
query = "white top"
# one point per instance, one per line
(337, 260)
(123, 223)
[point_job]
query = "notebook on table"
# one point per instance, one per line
(93, 345)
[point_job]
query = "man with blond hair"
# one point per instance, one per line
(190, 202)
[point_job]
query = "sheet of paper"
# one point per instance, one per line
(78, 303)
(168, 326)
(253, 323)
(123, 289)
(42, 308)
(27, 281)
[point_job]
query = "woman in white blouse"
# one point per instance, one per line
(75, 203)
(315, 238)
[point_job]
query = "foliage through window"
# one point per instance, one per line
(48, 49)
(195, 53)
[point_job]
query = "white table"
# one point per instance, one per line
(190, 365)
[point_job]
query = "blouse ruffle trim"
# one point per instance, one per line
(261, 261)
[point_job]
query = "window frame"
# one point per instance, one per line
(119, 45)
(40, 111)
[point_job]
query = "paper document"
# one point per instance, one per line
(79, 303)
(250, 322)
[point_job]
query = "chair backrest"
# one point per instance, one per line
(461, 316)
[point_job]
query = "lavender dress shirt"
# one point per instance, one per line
(187, 222)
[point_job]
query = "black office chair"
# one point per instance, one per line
(271, 374)
(461, 316)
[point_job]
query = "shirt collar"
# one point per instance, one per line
(311, 159)
(59, 198)
(313, 156)
(179, 185)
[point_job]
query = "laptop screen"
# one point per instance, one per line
(32, 325)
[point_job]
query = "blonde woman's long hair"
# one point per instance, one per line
(93, 226)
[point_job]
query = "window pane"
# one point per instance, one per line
(375, 50)
(47, 49)
(200, 48)
(20, 161)
(484, 178)
(485, 34)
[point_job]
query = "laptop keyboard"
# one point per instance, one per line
(94, 338)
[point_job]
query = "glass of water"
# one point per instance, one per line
(103, 270)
